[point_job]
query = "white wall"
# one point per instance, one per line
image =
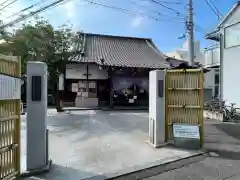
(231, 75)
(212, 56)
(174, 54)
(209, 79)
(231, 66)
(76, 71)
(233, 19)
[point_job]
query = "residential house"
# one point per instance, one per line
(227, 37)
(111, 70)
(182, 54)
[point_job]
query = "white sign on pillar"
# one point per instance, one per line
(37, 80)
(156, 108)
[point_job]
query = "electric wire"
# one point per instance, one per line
(9, 4)
(26, 9)
(216, 8)
(213, 10)
(4, 2)
(22, 18)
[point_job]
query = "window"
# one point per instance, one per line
(217, 79)
(232, 36)
(216, 91)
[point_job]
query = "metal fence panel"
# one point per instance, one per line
(184, 101)
(10, 94)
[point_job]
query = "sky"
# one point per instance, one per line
(162, 25)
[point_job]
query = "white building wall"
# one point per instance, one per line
(174, 54)
(77, 71)
(233, 19)
(231, 65)
(212, 56)
(231, 75)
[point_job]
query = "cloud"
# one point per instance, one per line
(137, 21)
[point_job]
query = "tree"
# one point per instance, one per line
(41, 42)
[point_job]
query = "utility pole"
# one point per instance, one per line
(190, 25)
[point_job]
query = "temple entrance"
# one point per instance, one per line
(103, 92)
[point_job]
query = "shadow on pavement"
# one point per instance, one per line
(59, 172)
(231, 129)
(223, 139)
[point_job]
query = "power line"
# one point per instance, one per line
(3, 2)
(216, 8)
(154, 11)
(198, 28)
(167, 7)
(169, 2)
(8, 5)
(26, 9)
(209, 5)
(54, 4)
(128, 11)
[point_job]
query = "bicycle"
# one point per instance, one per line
(230, 113)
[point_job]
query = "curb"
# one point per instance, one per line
(106, 109)
(39, 171)
(125, 109)
(158, 169)
(80, 109)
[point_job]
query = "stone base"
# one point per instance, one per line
(86, 102)
(34, 172)
(187, 143)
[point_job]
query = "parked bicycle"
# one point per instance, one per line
(230, 113)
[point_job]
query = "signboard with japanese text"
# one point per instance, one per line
(186, 131)
(10, 87)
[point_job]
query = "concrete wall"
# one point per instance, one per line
(76, 71)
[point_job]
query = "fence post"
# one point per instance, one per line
(18, 122)
(201, 81)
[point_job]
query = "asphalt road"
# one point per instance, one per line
(222, 161)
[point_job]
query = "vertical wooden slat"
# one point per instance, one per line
(183, 79)
(9, 128)
(166, 103)
(18, 123)
(201, 81)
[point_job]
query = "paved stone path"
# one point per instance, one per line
(91, 143)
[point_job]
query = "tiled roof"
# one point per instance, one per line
(121, 51)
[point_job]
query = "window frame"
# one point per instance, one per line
(225, 36)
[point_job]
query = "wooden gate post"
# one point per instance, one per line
(184, 100)
(10, 95)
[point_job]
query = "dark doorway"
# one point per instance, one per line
(103, 92)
